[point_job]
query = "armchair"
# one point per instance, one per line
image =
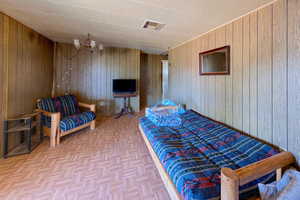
(62, 116)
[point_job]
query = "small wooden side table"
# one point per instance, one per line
(127, 109)
(31, 134)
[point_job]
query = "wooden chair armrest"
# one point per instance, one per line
(232, 179)
(48, 114)
(91, 107)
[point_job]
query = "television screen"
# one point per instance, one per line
(124, 86)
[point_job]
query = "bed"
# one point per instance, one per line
(203, 159)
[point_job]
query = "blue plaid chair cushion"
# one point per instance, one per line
(47, 104)
(67, 105)
(76, 120)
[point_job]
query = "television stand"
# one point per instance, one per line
(127, 109)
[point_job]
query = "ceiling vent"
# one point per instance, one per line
(153, 25)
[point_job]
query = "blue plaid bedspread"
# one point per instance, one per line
(194, 153)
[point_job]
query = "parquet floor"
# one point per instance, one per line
(110, 163)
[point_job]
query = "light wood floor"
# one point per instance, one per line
(110, 162)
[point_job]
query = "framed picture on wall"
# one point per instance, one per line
(215, 62)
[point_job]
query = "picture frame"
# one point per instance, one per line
(215, 61)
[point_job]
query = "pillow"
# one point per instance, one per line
(288, 188)
(164, 117)
(292, 190)
(268, 191)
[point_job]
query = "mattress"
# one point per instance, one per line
(194, 153)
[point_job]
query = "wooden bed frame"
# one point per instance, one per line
(230, 179)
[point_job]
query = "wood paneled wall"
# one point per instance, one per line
(30, 68)
(26, 68)
(92, 74)
(151, 79)
(1, 77)
(261, 94)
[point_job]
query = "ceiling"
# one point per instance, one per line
(118, 22)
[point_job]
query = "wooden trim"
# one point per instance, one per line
(173, 193)
(92, 107)
(265, 166)
(229, 184)
(54, 70)
(46, 113)
(75, 129)
(5, 64)
(232, 179)
(201, 54)
(55, 120)
(47, 131)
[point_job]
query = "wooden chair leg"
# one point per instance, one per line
(93, 125)
(55, 118)
(52, 141)
(58, 138)
(53, 136)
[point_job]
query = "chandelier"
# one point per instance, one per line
(88, 44)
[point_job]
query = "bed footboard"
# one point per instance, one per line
(232, 179)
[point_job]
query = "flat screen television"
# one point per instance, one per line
(124, 86)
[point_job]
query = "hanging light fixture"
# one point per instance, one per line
(88, 44)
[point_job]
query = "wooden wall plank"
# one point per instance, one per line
(188, 74)
(253, 74)
(198, 46)
(229, 82)
(205, 79)
(212, 81)
(172, 70)
(181, 75)
(194, 80)
(265, 73)
(151, 79)
(246, 74)
(221, 80)
(144, 81)
(280, 73)
(12, 70)
(237, 74)
(170, 78)
(293, 77)
(25, 69)
(2, 74)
